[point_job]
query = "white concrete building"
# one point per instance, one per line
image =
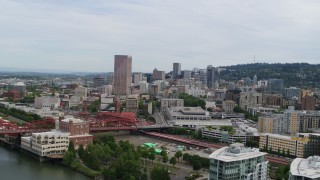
(136, 77)
(195, 91)
(187, 113)
(171, 103)
(74, 101)
(82, 92)
(143, 87)
(238, 162)
(228, 106)
(46, 143)
(47, 102)
(249, 99)
(105, 89)
(305, 169)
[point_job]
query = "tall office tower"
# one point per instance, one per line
(203, 76)
(255, 80)
(276, 85)
(98, 81)
(137, 77)
(158, 75)
(238, 162)
(292, 93)
(210, 76)
(110, 78)
(122, 74)
(187, 74)
(176, 70)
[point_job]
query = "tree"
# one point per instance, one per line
(140, 104)
(238, 140)
(152, 157)
(68, 157)
(159, 173)
(93, 161)
(144, 176)
(288, 153)
(80, 150)
(199, 134)
(110, 174)
(186, 157)
(178, 155)
(165, 158)
(283, 172)
(173, 161)
(196, 165)
(71, 147)
(278, 152)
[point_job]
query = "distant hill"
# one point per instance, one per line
(293, 74)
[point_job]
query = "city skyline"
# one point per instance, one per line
(83, 36)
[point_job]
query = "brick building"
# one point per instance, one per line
(308, 103)
(79, 131)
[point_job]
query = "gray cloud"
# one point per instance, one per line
(84, 35)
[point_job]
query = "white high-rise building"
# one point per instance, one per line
(187, 74)
(144, 87)
(137, 77)
(305, 169)
(203, 76)
(238, 162)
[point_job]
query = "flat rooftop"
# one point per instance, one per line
(201, 122)
(236, 152)
(309, 168)
(74, 120)
(276, 136)
(55, 132)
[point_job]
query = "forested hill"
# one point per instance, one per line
(293, 74)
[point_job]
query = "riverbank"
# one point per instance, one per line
(14, 165)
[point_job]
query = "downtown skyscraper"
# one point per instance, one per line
(122, 74)
(210, 76)
(176, 73)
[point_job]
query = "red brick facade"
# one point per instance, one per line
(79, 131)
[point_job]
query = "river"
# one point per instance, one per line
(14, 165)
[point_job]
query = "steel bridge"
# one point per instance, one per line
(101, 122)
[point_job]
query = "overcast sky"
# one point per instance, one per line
(84, 35)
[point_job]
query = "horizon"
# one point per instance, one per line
(55, 71)
(85, 36)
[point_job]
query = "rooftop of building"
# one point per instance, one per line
(236, 152)
(309, 167)
(73, 120)
(169, 99)
(133, 96)
(286, 137)
(202, 122)
(52, 133)
(187, 111)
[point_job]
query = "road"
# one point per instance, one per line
(160, 119)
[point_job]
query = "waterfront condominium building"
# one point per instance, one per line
(46, 143)
(238, 162)
(305, 169)
(176, 71)
(122, 74)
